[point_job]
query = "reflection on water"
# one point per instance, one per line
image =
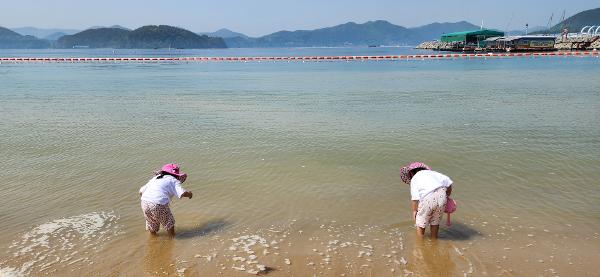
(159, 259)
(432, 258)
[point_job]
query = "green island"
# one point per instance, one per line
(146, 37)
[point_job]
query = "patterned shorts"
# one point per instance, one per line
(156, 215)
(431, 208)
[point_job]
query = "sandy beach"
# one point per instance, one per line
(300, 248)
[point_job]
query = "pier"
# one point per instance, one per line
(588, 39)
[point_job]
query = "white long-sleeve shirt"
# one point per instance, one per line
(425, 182)
(160, 191)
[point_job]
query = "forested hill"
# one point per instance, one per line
(576, 22)
(146, 37)
(378, 32)
(12, 40)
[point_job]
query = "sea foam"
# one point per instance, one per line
(65, 242)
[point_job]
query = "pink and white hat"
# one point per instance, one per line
(405, 171)
(174, 170)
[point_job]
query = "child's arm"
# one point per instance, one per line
(449, 191)
(142, 189)
(181, 192)
(414, 196)
(415, 208)
(187, 194)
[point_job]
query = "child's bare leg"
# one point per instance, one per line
(171, 231)
(420, 232)
(434, 231)
(152, 233)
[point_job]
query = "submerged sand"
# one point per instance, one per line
(314, 247)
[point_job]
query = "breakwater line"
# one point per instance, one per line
(592, 53)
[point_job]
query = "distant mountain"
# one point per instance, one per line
(41, 32)
(369, 33)
(152, 36)
(378, 32)
(113, 26)
(521, 32)
(95, 38)
(163, 36)
(576, 22)
(12, 40)
(224, 33)
(55, 36)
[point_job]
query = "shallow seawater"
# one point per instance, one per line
(294, 166)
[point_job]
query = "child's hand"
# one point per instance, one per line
(187, 194)
(191, 194)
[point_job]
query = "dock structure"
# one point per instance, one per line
(469, 40)
(12, 60)
(587, 38)
(486, 40)
(520, 43)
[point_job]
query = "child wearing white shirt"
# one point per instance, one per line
(156, 196)
(429, 193)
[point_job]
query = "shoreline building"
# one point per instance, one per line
(520, 43)
(470, 40)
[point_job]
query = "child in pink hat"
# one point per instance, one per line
(429, 191)
(156, 196)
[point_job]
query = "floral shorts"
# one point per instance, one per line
(156, 215)
(431, 208)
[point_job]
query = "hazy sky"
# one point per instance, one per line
(261, 17)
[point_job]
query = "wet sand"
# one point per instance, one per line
(470, 247)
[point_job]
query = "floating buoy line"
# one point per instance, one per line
(591, 53)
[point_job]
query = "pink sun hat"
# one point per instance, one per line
(174, 169)
(405, 171)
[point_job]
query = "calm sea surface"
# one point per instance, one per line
(299, 161)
